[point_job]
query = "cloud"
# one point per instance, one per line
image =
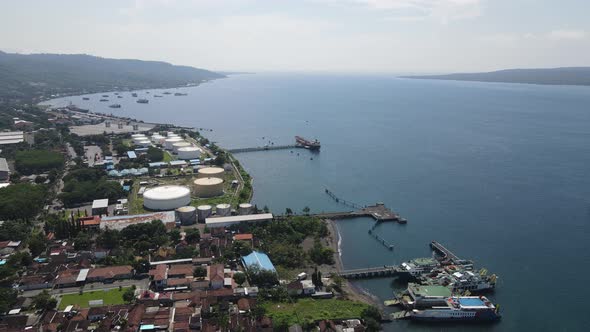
(441, 10)
(567, 34)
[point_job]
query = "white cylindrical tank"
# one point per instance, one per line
(245, 208)
(203, 212)
(190, 152)
(169, 142)
(144, 143)
(208, 187)
(187, 215)
(157, 138)
(223, 209)
(182, 144)
(137, 135)
(136, 140)
(166, 197)
(208, 172)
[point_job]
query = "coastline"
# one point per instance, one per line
(350, 290)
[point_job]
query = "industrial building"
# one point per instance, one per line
(208, 187)
(4, 170)
(168, 218)
(189, 152)
(100, 207)
(214, 222)
(166, 197)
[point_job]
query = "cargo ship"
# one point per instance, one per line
(310, 145)
(464, 308)
(143, 101)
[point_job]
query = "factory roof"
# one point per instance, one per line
(100, 203)
(11, 137)
(178, 163)
(259, 259)
(237, 219)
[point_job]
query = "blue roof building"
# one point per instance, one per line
(259, 259)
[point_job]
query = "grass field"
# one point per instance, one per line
(310, 310)
(112, 296)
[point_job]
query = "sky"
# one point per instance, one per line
(376, 36)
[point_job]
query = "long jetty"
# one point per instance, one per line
(370, 272)
(446, 254)
(265, 148)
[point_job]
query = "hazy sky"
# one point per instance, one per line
(289, 35)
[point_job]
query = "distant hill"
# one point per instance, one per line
(556, 76)
(35, 76)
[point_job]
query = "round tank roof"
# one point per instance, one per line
(166, 192)
(189, 148)
(186, 209)
(208, 181)
(204, 207)
(211, 170)
(223, 206)
(174, 139)
(245, 205)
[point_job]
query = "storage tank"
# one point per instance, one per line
(187, 215)
(190, 152)
(183, 144)
(136, 140)
(166, 197)
(208, 172)
(223, 209)
(245, 208)
(208, 187)
(169, 142)
(158, 139)
(137, 135)
(144, 143)
(203, 212)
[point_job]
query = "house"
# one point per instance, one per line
(216, 275)
(307, 287)
(180, 271)
(294, 288)
(97, 313)
(34, 281)
(110, 273)
(90, 223)
(66, 278)
(159, 276)
(100, 207)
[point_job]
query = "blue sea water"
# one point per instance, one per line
(499, 173)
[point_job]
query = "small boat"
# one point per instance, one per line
(180, 94)
(115, 106)
(104, 100)
(157, 96)
(85, 98)
(167, 93)
(105, 95)
(143, 101)
(119, 96)
(134, 94)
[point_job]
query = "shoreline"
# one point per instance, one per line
(350, 290)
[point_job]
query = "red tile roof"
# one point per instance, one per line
(243, 237)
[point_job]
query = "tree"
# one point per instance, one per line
(129, 295)
(320, 254)
(239, 278)
(155, 154)
(372, 317)
(266, 209)
(306, 210)
(174, 235)
(37, 244)
(44, 301)
(200, 272)
(7, 299)
(192, 235)
(141, 266)
(288, 211)
(82, 242)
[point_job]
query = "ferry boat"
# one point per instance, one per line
(143, 101)
(461, 280)
(464, 308)
(115, 106)
(417, 267)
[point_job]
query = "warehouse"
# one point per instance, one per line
(234, 220)
(258, 259)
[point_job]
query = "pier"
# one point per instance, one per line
(370, 272)
(378, 212)
(265, 148)
(447, 256)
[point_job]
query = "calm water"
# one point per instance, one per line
(497, 172)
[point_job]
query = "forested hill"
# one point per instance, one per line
(34, 76)
(557, 76)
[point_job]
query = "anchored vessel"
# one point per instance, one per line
(143, 101)
(115, 106)
(311, 145)
(465, 308)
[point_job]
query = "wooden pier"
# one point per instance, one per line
(378, 212)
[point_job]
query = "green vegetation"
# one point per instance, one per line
(21, 201)
(44, 301)
(155, 154)
(86, 184)
(37, 161)
(109, 297)
(7, 298)
(15, 230)
(306, 311)
(167, 157)
(25, 77)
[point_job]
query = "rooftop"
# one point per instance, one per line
(429, 291)
(100, 203)
(237, 219)
(259, 259)
(4, 165)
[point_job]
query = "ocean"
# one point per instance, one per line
(498, 173)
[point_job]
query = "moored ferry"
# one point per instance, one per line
(465, 308)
